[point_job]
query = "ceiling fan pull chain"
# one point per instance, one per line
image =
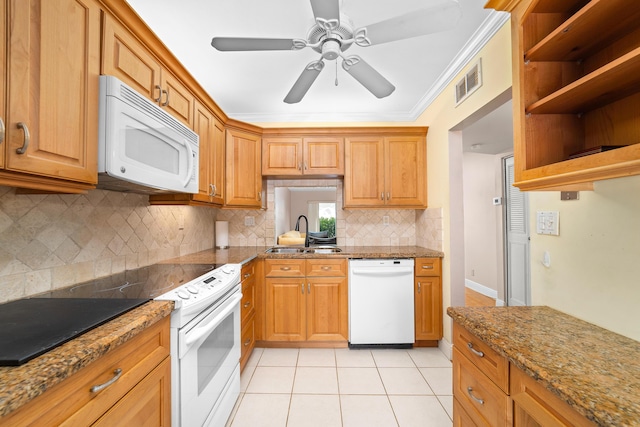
(336, 73)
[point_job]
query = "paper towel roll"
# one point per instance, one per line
(222, 234)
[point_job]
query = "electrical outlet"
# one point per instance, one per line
(385, 220)
(249, 221)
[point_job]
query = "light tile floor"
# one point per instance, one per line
(342, 387)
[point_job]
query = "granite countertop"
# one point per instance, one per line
(594, 370)
(20, 384)
(243, 254)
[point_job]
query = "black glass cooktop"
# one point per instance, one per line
(31, 327)
(146, 282)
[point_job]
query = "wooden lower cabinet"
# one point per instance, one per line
(428, 300)
(488, 390)
(311, 306)
(141, 396)
(247, 312)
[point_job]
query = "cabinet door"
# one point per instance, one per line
(54, 48)
(285, 314)
(243, 177)
(323, 156)
(147, 404)
(217, 174)
(282, 156)
(176, 98)
(327, 309)
(364, 172)
(405, 171)
(126, 58)
(204, 126)
(428, 306)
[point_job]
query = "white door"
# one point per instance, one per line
(517, 241)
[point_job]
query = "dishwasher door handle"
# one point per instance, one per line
(382, 271)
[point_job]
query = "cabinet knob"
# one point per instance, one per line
(246, 343)
(27, 138)
(287, 268)
(325, 268)
(302, 288)
(419, 287)
(1, 131)
(246, 304)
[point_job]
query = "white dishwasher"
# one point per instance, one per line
(381, 303)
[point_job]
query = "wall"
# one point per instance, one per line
(594, 261)
(353, 227)
(483, 233)
(52, 241)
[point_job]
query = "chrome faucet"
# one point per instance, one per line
(306, 230)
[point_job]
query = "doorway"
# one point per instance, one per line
(517, 240)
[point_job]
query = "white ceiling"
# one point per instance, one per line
(250, 86)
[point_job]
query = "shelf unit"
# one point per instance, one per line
(576, 70)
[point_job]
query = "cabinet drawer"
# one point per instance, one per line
(284, 268)
(460, 416)
(493, 365)
(72, 403)
(248, 271)
(428, 267)
(247, 305)
(478, 395)
(327, 267)
(247, 341)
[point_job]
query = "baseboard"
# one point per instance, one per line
(446, 347)
(481, 289)
(500, 303)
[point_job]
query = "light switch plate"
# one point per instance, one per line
(548, 222)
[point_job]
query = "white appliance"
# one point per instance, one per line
(205, 348)
(381, 303)
(141, 147)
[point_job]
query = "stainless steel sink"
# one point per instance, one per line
(301, 250)
(285, 250)
(324, 250)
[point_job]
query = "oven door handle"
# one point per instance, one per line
(208, 325)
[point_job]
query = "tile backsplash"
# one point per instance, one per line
(52, 241)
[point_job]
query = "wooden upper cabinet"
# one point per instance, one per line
(125, 57)
(218, 174)
(51, 115)
(303, 155)
(243, 177)
(204, 126)
(576, 91)
(385, 171)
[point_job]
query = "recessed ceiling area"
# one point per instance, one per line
(491, 134)
(251, 86)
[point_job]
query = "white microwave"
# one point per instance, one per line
(141, 147)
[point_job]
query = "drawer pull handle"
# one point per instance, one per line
(246, 343)
(474, 351)
(427, 267)
(325, 268)
(247, 304)
(27, 138)
(470, 391)
(285, 268)
(116, 376)
(247, 275)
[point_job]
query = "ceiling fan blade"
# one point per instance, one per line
(326, 10)
(438, 17)
(304, 82)
(247, 43)
(368, 76)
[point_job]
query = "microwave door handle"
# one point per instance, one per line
(189, 163)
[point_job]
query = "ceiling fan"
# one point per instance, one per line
(333, 34)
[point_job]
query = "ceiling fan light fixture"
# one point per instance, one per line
(331, 49)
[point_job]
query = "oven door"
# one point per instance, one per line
(209, 354)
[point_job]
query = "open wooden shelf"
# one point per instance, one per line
(574, 39)
(614, 81)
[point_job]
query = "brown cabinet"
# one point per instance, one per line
(428, 299)
(303, 155)
(385, 171)
(306, 300)
(141, 395)
(243, 177)
(125, 57)
(247, 312)
(49, 110)
(488, 390)
(576, 72)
